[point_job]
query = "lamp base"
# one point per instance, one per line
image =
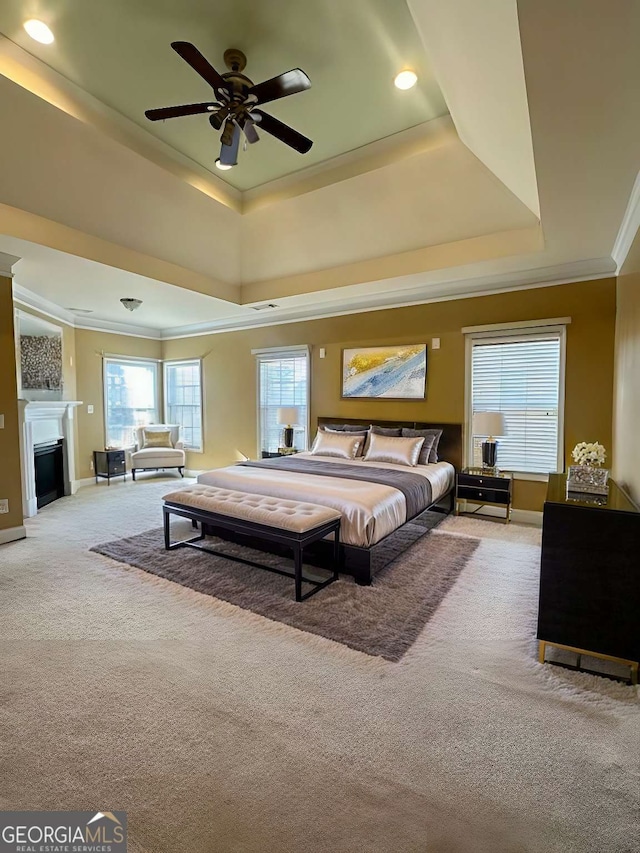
(287, 437)
(489, 454)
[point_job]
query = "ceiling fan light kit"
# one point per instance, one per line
(235, 110)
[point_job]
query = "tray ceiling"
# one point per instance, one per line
(120, 53)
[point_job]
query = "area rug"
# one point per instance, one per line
(382, 620)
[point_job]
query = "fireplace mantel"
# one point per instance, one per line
(42, 421)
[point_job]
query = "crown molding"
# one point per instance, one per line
(28, 299)
(628, 227)
(421, 294)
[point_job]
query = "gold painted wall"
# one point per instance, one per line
(10, 485)
(89, 347)
(626, 413)
(230, 372)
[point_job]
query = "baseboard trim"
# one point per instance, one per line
(12, 534)
(519, 516)
(78, 484)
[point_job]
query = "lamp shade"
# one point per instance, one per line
(288, 416)
(489, 423)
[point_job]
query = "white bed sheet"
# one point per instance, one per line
(370, 511)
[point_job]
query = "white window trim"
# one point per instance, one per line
(173, 362)
(275, 353)
(131, 360)
(500, 333)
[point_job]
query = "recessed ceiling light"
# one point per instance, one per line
(223, 166)
(38, 30)
(406, 79)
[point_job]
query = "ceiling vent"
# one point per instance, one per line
(264, 307)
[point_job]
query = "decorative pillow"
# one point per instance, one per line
(342, 428)
(432, 454)
(157, 438)
(380, 430)
(361, 433)
(337, 444)
(389, 448)
(352, 429)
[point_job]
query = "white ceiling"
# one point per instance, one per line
(71, 283)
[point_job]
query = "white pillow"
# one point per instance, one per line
(339, 444)
(387, 448)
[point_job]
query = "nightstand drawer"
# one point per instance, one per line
(479, 494)
(485, 482)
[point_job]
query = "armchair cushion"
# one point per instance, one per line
(157, 438)
(174, 434)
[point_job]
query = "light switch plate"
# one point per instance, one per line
(89, 410)
(1, 421)
(435, 343)
(4, 505)
(323, 352)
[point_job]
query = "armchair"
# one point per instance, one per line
(153, 458)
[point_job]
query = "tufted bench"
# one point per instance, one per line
(292, 523)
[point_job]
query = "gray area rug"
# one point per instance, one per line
(382, 620)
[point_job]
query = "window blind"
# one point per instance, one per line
(520, 376)
(183, 400)
(283, 380)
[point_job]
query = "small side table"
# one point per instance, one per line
(108, 464)
(274, 454)
(485, 487)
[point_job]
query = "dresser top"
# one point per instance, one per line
(617, 500)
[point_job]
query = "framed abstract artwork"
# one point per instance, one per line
(393, 373)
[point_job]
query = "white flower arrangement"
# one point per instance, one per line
(589, 453)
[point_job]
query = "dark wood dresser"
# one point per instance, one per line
(590, 575)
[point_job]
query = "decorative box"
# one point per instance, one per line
(585, 478)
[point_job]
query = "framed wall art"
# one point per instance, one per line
(395, 372)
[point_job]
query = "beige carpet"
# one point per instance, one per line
(218, 730)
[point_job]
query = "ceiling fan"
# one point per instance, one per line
(235, 108)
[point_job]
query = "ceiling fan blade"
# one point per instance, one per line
(229, 153)
(282, 131)
(176, 112)
(250, 131)
(279, 87)
(217, 118)
(200, 65)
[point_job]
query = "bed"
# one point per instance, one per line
(381, 503)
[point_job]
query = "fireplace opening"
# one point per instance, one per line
(49, 465)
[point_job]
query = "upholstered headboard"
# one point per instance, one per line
(449, 449)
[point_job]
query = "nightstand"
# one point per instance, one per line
(485, 487)
(274, 454)
(108, 464)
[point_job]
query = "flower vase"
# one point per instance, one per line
(588, 479)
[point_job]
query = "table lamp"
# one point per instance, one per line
(489, 424)
(288, 417)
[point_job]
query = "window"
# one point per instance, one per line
(283, 380)
(183, 399)
(522, 376)
(131, 398)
